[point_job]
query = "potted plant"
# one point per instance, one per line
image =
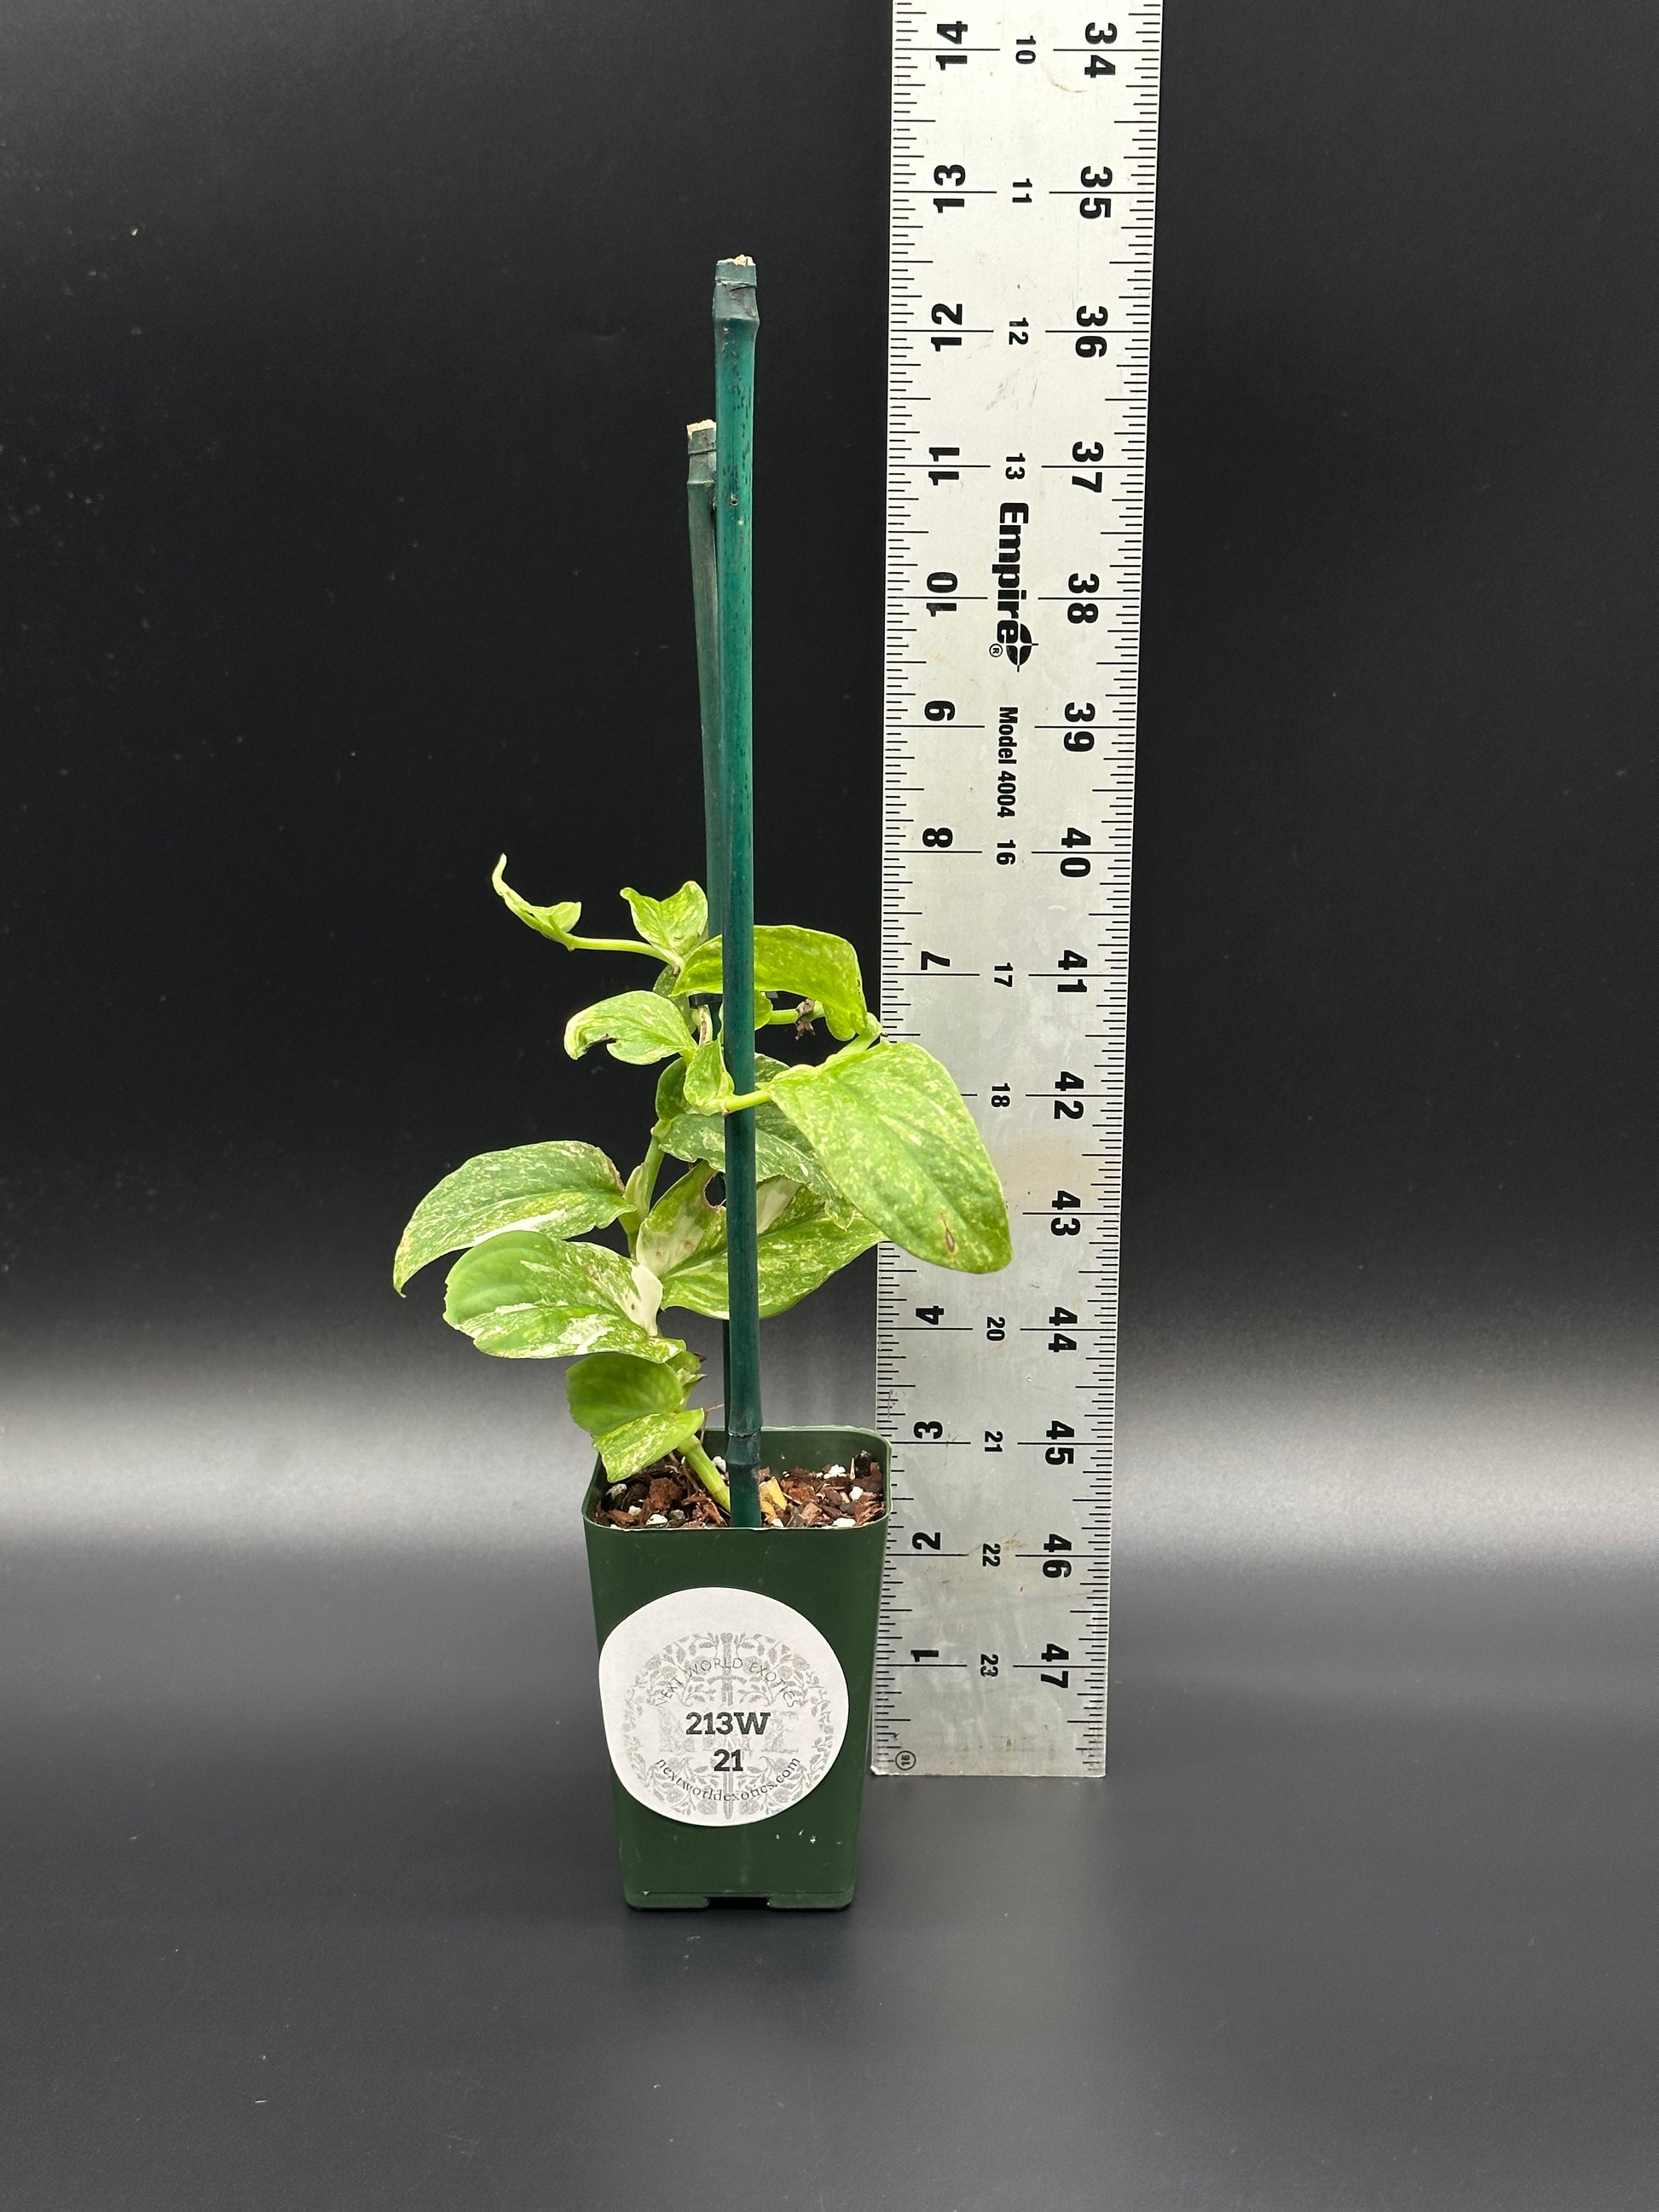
(736, 1571)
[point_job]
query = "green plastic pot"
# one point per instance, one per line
(804, 1858)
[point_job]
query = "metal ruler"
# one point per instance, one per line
(1024, 151)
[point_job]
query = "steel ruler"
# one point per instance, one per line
(1024, 154)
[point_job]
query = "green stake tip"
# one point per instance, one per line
(734, 292)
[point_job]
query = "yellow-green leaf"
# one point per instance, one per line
(810, 1242)
(636, 1445)
(680, 1225)
(890, 1128)
(554, 921)
(566, 1187)
(780, 1148)
(636, 1026)
(672, 924)
(528, 1295)
(706, 1081)
(807, 963)
(614, 1387)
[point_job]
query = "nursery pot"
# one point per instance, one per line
(735, 1667)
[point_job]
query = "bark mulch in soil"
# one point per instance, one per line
(669, 1496)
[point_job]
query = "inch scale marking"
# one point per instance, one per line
(1024, 155)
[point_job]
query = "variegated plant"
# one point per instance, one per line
(873, 1142)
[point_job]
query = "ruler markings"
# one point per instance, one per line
(998, 1573)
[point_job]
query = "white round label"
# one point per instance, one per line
(721, 1705)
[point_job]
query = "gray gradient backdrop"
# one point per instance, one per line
(346, 349)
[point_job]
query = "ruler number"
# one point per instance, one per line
(956, 33)
(1079, 741)
(1084, 606)
(939, 313)
(990, 1555)
(1090, 346)
(1068, 1109)
(1062, 1317)
(1068, 959)
(940, 710)
(1064, 1222)
(943, 581)
(1092, 207)
(1097, 65)
(952, 172)
(938, 839)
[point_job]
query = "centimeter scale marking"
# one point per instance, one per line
(1024, 153)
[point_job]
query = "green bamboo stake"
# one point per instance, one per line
(736, 321)
(705, 600)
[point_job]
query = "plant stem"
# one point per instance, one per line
(736, 320)
(648, 1167)
(619, 945)
(707, 1473)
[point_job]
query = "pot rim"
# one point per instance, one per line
(868, 1438)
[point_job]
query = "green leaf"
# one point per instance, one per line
(636, 1026)
(554, 921)
(774, 1196)
(890, 1128)
(672, 924)
(614, 1387)
(626, 1449)
(636, 1204)
(706, 1078)
(680, 1225)
(528, 1295)
(780, 1148)
(670, 1091)
(810, 1242)
(566, 1187)
(806, 963)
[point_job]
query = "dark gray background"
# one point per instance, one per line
(347, 350)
